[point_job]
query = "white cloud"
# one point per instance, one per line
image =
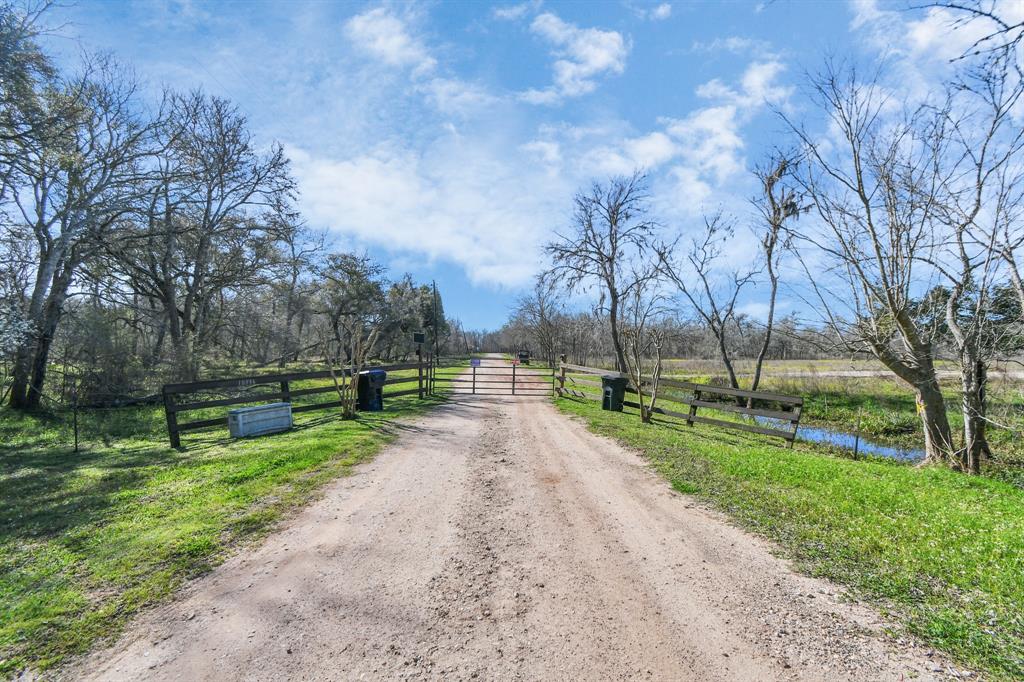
(650, 150)
(757, 86)
(736, 45)
(712, 142)
(546, 151)
(686, 191)
(709, 141)
(693, 159)
(454, 96)
(381, 34)
(657, 13)
(932, 38)
(582, 54)
(513, 12)
(464, 201)
(920, 50)
(662, 11)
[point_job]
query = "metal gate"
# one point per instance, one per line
(494, 376)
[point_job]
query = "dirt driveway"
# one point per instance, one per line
(501, 540)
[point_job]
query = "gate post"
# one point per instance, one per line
(419, 374)
(513, 379)
(561, 375)
(474, 379)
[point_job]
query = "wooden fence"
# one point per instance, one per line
(774, 408)
(173, 405)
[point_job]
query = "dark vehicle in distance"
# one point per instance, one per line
(524, 357)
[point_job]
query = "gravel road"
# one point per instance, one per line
(501, 540)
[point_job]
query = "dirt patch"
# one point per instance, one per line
(501, 540)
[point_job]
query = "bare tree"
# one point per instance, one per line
(976, 146)
(208, 222)
(610, 235)
(710, 288)
(538, 314)
(778, 204)
(24, 70)
(69, 187)
(866, 187)
(294, 265)
(354, 302)
(1002, 34)
(644, 339)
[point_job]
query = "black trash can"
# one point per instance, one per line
(370, 390)
(614, 391)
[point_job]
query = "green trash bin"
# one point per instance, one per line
(613, 388)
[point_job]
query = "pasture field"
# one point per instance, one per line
(88, 539)
(941, 552)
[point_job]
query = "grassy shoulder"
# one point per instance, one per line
(88, 539)
(886, 411)
(941, 552)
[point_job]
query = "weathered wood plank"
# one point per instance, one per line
(784, 415)
(592, 370)
(258, 379)
(222, 402)
(743, 427)
(720, 390)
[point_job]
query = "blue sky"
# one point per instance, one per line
(447, 139)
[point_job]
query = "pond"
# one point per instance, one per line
(847, 441)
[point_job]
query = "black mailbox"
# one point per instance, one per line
(614, 391)
(370, 390)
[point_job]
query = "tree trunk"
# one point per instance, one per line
(613, 323)
(938, 437)
(39, 366)
(973, 377)
(19, 376)
(730, 370)
(769, 323)
(33, 358)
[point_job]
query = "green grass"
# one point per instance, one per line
(943, 553)
(88, 539)
(886, 411)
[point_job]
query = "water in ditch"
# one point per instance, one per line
(847, 441)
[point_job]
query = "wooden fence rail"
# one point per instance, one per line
(763, 405)
(284, 393)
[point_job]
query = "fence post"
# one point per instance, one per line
(419, 374)
(74, 407)
(561, 375)
(474, 379)
(513, 379)
(693, 408)
(428, 378)
(286, 393)
(172, 420)
(796, 425)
